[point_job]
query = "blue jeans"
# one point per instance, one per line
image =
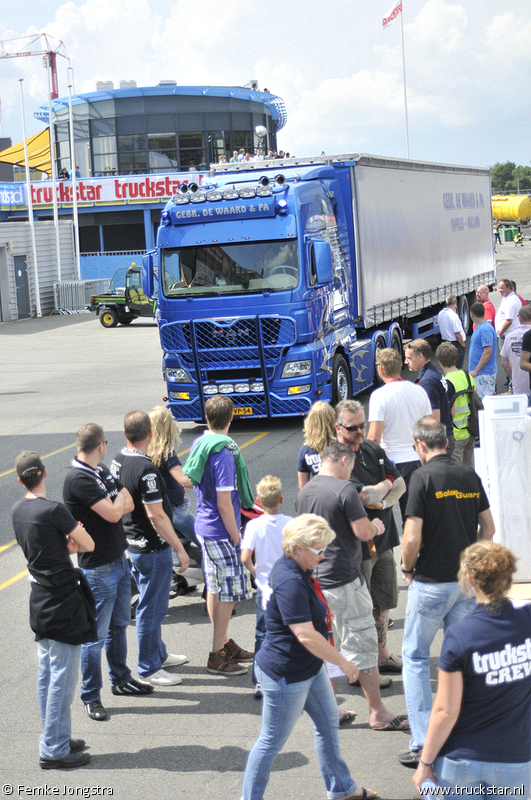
(152, 573)
(452, 773)
(428, 604)
(184, 522)
(111, 587)
(260, 631)
(56, 684)
(282, 706)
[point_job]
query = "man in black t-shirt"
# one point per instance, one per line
(332, 496)
(447, 510)
(382, 486)
(61, 608)
(99, 502)
(150, 535)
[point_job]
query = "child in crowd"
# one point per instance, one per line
(263, 536)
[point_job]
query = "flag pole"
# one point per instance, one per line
(404, 73)
(30, 207)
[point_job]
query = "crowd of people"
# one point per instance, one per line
(243, 155)
(326, 579)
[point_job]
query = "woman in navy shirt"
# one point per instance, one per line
(319, 431)
(480, 722)
(290, 663)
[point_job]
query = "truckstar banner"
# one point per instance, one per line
(121, 190)
(392, 14)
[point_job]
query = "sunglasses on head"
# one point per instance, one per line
(317, 552)
(352, 428)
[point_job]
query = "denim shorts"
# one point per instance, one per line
(224, 572)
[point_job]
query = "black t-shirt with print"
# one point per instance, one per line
(85, 486)
(448, 497)
(137, 473)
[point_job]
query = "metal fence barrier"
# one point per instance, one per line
(73, 297)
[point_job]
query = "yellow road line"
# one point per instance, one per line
(13, 580)
(61, 450)
(6, 546)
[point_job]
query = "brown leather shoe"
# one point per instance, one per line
(237, 653)
(220, 663)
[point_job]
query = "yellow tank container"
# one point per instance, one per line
(511, 207)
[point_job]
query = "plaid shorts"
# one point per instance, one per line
(224, 572)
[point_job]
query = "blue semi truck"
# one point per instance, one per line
(279, 281)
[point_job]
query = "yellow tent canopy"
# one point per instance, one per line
(38, 152)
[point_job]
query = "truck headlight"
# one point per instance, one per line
(177, 375)
(293, 369)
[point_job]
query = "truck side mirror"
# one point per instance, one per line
(147, 274)
(323, 262)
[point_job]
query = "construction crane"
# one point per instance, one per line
(49, 52)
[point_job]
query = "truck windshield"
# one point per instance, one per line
(243, 268)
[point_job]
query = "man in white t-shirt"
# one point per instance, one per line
(506, 319)
(512, 350)
(451, 329)
(393, 410)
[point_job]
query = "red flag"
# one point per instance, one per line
(392, 15)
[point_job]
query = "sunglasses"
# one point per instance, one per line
(352, 428)
(317, 552)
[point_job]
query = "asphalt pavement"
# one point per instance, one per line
(188, 741)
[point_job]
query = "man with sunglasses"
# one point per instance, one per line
(382, 486)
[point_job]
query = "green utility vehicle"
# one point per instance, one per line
(126, 301)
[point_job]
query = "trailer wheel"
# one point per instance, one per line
(109, 318)
(341, 381)
(379, 344)
(463, 312)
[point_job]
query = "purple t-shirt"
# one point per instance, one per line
(219, 475)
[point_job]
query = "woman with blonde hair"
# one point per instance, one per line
(479, 734)
(319, 431)
(290, 664)
(165, 436)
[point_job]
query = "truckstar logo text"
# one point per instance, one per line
(110, 190)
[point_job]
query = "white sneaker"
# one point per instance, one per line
(163, 678)
(174, 661)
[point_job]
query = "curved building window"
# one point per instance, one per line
(106, 164)
(132, 163)
(192, 152)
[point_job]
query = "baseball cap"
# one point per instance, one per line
(29, 464)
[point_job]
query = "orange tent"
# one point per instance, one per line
(38, 152)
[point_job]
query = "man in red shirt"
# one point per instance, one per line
(482, 294)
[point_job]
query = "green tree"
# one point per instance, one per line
(508, 178)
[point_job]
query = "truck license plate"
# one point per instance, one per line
(243, 411)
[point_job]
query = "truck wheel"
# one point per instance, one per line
(341, 381)
(396, 343)
(463, 312)
(379, 344)
(109, 318)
